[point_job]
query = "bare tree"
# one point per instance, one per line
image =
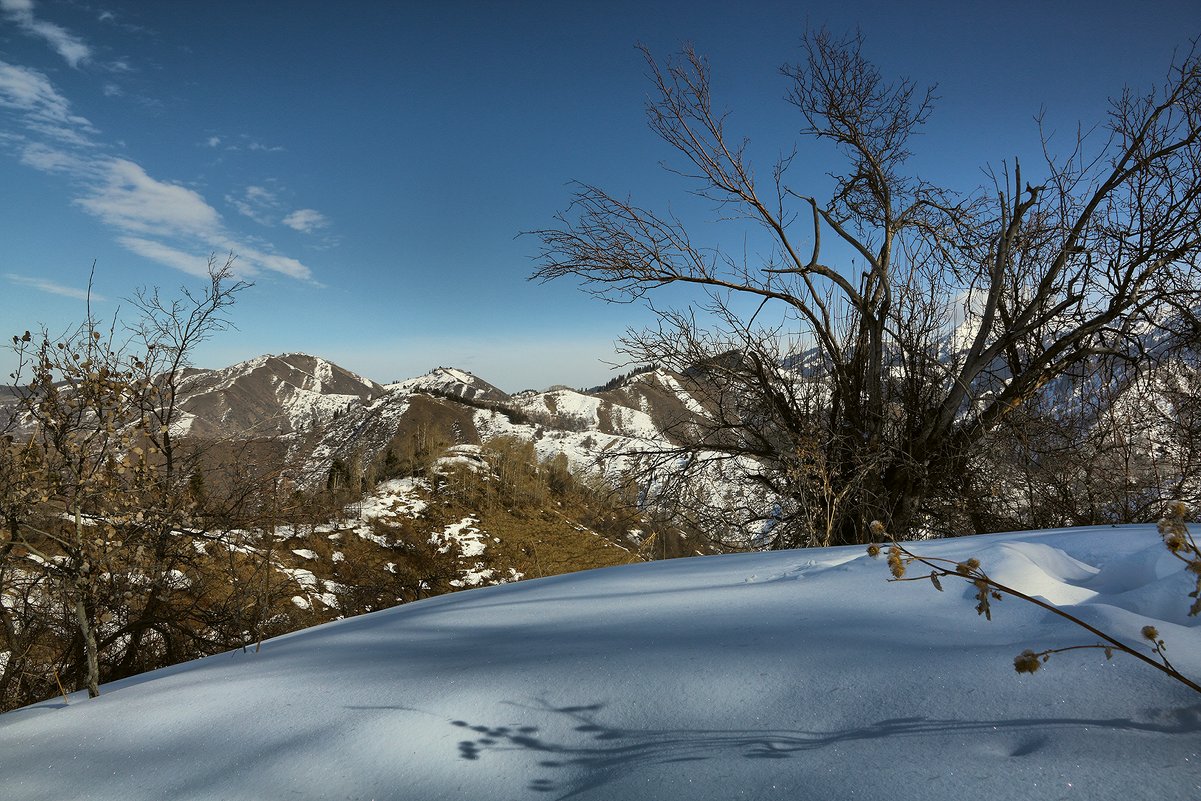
(90, 492)
(81, 471)
(168, 332)
(867, 387)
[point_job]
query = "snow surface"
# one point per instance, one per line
(787, 675)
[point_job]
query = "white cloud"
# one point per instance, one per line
(31, 92)
(49, 159)
(165, 222)
(67, 44)
(256, 202)
(64, 134)
(249, 261)
(142, 207)
(243, 142)
(43, 285)
(132, 201)
(305, 220)
(190, 263)
(258, 259)
(40, 107)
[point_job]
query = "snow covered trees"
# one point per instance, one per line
(866, 378)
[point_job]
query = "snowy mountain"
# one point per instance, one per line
(324, 413)
(269, 396)
(336, 429)
(795, 674)
(450, 381)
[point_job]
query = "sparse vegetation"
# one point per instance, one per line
(1150, 648)
(229, 550)
(622, 379)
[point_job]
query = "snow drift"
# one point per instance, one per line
(797, 674)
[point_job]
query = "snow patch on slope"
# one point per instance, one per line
(398, 497)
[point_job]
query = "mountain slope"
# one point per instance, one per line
(796, 674)
(269, 396)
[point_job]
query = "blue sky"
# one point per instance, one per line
(372, 164)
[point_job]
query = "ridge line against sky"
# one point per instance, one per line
(373, 165)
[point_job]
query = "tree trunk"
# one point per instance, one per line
(86, 632)
(89, 646)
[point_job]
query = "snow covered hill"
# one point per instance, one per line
(450, 381)
(787, 675)
(309, 413)
(269, 396)
(322, 412)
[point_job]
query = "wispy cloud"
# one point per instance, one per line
(43, 285)
(242, 142)
(141, 206)
(285, 265)
(130, 200)
(68, 45)
(51, 159)
(110, 17)
(163, 221)
(190, 263)
(265, 207)
(40, 106)
(305, 220)
(257, 203)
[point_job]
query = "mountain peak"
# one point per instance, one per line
(450, 381)
(270, 395)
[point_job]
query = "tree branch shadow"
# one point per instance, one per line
(605, 752)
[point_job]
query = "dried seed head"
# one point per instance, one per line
(1151, 633)
(873, 550)
(964, 568)
(1026, 662)
(876, 528)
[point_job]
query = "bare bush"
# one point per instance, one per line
(867, 386)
